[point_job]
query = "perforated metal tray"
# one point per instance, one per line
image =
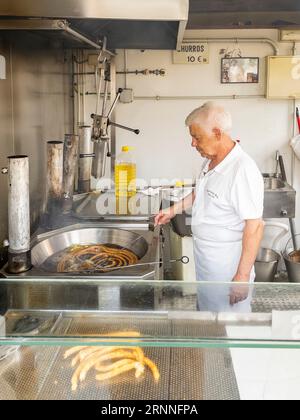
(186, 374)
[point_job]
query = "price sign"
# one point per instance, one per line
(192, 53)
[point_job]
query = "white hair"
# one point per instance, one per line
(210, 116)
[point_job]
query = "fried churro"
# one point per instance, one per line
(97, 258)
(97, 358)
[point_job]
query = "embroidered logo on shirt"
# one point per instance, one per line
(212, 194)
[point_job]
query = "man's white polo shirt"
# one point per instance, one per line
(227, 196)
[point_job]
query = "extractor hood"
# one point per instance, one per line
(138, 24)
(235, 14)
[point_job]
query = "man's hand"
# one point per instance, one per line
(164, 217)
(252, 237)
(239, 290)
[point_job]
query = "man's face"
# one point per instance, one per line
(206, 145)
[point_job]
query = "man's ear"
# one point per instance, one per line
(217, 133)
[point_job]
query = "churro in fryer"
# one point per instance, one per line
(97, 258)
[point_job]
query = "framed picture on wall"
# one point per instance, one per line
(240, 70)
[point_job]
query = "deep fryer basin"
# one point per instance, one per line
(49, 247)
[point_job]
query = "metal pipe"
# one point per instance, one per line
(55, 163)
(71, 147)
(105, 97)
(113, 138)
(125, 67)
(294, 49)
(189, 98)
(291, 221)
(99, 161)
(83, 90)
(196, 98)
(63, 24)
(77, 90)
(85, 164)
(294, 133)
(99, 88)
(282, 168)
(236, 40)
(19, 259)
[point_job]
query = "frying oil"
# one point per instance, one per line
(125, 174)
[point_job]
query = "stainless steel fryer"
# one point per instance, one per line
(136, 237)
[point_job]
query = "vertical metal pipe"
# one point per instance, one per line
(19, 259)
(291, 221)
(85, 163)
(113, 138)
(99, 162)
(71, 147)
(55, 161)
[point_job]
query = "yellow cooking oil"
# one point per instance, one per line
(125, 174)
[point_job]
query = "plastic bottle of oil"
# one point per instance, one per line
(125, 173)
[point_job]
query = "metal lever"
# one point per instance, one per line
(133, 130)
(114, 103)
(102, 122)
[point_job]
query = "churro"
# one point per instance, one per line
(95, 258)
(127, 359)
(117, 372)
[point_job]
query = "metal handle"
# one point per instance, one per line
(114, 103)
(133, 130)
(184, 260)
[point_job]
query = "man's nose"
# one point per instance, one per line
(194, 143)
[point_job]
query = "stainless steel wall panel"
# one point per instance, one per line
(35, 107)
(100, 9)
(6, 135)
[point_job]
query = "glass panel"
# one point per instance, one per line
(87, 312)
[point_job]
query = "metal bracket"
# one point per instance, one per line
(52, 25)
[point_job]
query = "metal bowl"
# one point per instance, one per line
(266, 265)
(87, 236)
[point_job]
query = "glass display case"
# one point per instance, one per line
(124, 340)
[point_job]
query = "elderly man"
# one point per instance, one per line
(227, 213)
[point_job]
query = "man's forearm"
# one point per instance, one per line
(252, 238)
(184, 205)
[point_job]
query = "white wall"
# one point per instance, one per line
(163, 148)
